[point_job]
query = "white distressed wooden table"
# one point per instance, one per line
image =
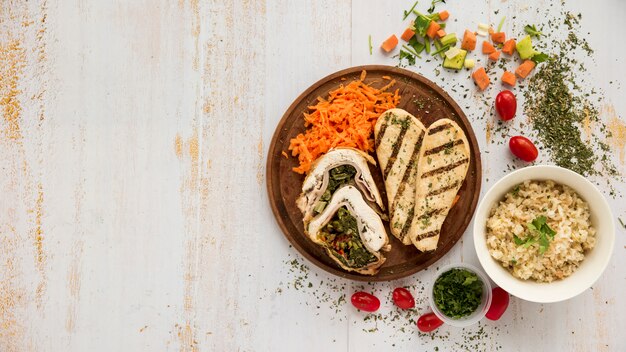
(133, 209)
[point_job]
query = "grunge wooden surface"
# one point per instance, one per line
(133, 210)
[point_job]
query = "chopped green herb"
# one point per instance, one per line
(405, 55)
(370, 43)
(532, 31)
(421, 24)
(621, 222)
(433, 3)
(540, 233)
(458, 293)
(516, 190)
(540, 57)
(407, 13)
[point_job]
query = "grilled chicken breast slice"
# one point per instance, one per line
(398, 139)
(444, 161)
(351, 232)
(318, 180)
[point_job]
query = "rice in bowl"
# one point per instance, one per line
(566, 213)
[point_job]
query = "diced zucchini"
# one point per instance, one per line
(457, 61)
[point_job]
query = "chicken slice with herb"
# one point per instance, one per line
(444, 161)
(398, 139)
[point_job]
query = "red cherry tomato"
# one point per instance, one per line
(506, 105)
(523, 148)
(499, 303)
(403, 298)
(428, 322)
(365, 301)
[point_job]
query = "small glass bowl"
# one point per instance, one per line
(480, 311)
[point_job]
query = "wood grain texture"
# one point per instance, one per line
(133, 212)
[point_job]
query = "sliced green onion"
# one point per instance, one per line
(442, 50)
(501, 24)
(410, 50)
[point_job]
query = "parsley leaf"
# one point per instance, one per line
(421, 24)
(433, 3)
(540, 57)
(407, 13)
(410, 58)
(532, 31)
(516, 191)
(540, 233)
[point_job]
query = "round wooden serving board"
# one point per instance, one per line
(420, 97)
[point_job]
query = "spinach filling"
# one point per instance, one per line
(341, 236)
(338, 176)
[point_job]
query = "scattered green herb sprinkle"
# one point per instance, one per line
(370, 43)
(458, 293)
(559, 108)
(621, 222)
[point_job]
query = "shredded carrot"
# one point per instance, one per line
(456, 199)
(387, 78)
(285, 155)
(345, 119)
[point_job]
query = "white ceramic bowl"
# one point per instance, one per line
(590, 268)
(482, 309)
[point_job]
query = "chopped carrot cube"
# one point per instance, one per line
(433, 27)
(509, 47)
(508, 78)
(407, 35)
(498, 37)
(494, 56)
(469, 41)
(481, 78)
(488, 48)
(443, 15)
(390, 43)
(524, 69)
(441, 33)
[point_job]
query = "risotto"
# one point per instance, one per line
(544, 254)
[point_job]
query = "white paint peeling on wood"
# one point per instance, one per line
(133, 212)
